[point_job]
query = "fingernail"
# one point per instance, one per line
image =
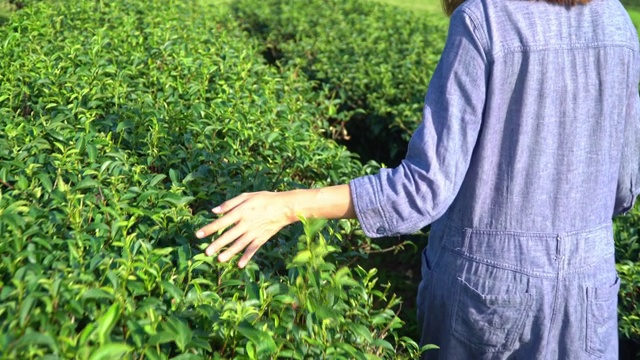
(200, 234)
(222, 258)
(217, 209)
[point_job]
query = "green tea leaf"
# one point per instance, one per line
(25, 309)
(86, 183)
(107, 321)
(384, 344)
(156, 179)
(110, 351)
(181, 331)
(263, 341)
(45, 181)
(172, 290)
(301, 258)
(92, 151)
(173, 175)
(161, 337)
(34, 339)
(187, 357)
(97, 294)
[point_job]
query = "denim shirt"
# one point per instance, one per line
(531, 123)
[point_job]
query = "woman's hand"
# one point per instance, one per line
(251, 219)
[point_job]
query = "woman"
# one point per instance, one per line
(530, 143)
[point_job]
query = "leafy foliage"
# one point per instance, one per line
(627, 236)
(122, 123)
(374, 60)
(6, 9)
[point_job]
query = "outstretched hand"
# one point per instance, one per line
(251, 219)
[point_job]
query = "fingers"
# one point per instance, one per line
(230, 204)
(241, 240)
(244, 241)
(240, 215)
(217, 225)
(249, 252)
(225, 221)
(226, 238)
(235, 248)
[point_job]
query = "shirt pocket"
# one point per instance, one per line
(602, 318)
(491, 321)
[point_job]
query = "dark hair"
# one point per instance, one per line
(449, 6)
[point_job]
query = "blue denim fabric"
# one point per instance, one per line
(509, 295)
(531, 126)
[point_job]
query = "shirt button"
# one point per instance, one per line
(381, 230)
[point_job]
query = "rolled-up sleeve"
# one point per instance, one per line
(418, 191)
(629, 176)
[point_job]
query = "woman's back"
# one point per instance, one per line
(531, 124)
(561, 84)
(547, 143)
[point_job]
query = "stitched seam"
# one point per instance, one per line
(401, 227)
(593, 263)
(510, 337)
(548, 275)
(541, 48)
(554, 308)
(377, 195)
(462, 337)
(476, 29)
(535, 234)
(501, 265)
(522, 320)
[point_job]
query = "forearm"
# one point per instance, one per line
(629, 173)
(250, 219)
(333, 202)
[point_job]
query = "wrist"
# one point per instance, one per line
(293, 206)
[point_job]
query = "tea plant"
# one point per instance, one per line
(6, 9)
(121, 124)
(627, 236)
(375, 60)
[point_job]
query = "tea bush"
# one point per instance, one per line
(627, 233)
(121, 124)
(375, 60)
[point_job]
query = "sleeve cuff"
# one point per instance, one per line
(366, 196)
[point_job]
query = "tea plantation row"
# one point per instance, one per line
(374, 59)
(121, 124)
(377, 61)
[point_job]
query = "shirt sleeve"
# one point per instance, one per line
(629, 176)
(417, 192)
